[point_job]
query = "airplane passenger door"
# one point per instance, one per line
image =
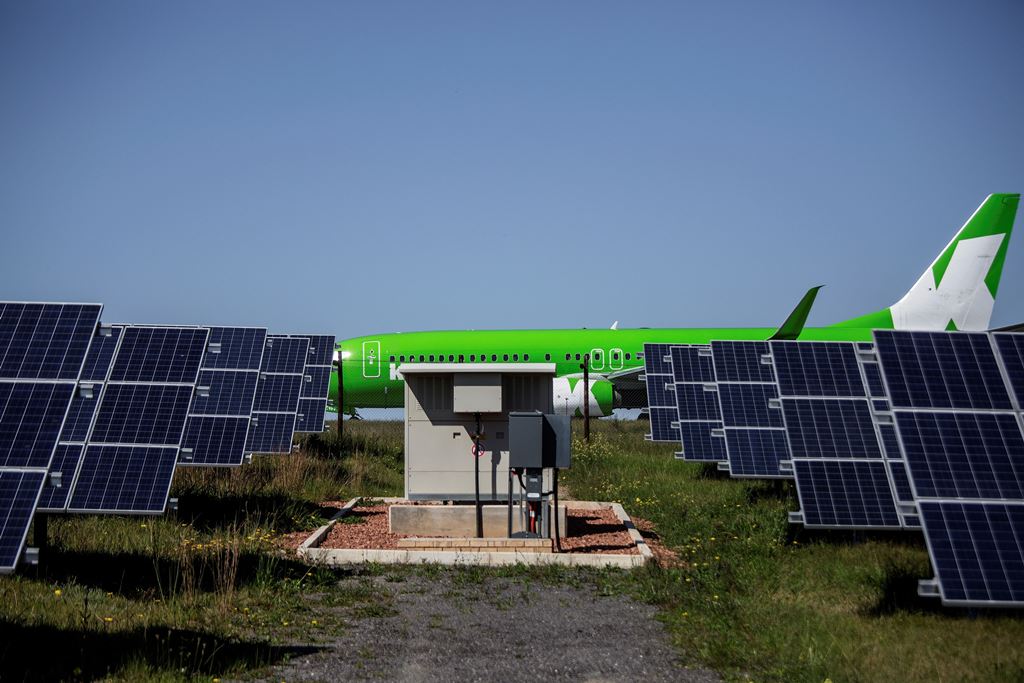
(596, 359)
(371, 359)
(615, 361)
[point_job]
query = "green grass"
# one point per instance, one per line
(760, 598)
(206, 592)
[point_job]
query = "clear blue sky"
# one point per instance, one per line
(376, 166)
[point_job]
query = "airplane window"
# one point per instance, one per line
(627, 356)
(597, 355)
(421, 357)
(451, 358)
(392, 359)
(615, 356)
(431, 359)
(472, 357)
(547, 356)
(568, 356)
(526, 356)
(401, 359)
(515, 356)
(494, 357)
(577, 356)
(462, 359)
(505, 357)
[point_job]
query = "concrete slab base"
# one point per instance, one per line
(457, 521)
(311, 551)
(491, 545)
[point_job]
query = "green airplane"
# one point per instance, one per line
(957, 292)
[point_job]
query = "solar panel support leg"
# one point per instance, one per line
(39, 531)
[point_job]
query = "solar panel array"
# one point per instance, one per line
(276, 406)
(93, 419)
(956, 399)
(698, 411)
(42, 350)
(661, 400)
(316, 384)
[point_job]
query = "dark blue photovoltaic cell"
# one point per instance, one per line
(312, 412)
(321, 349)
(271, 433)
(699, 445)
(141, 414)
(746, 405)
(756, 452)
(45, 341)
(655, 356)
(874, 379)
(977, 549)
(661, 424)
(31, 415)
(830, 428)
(159, 354)
(890, 443)
(285, 354)
(827, 369)
(216, 440)
(124, 479)
(83, 407)
(101, 352)
(689, 365)
(317, 382)
(660, 393)
(741, 361)
(694, 402)
(19, 491)
(277, 393)
(901, 481)
(230, 393)
(845, 493)
(963, 455)
(941, 370)
(65, 461)
(240, 348)
(1011, 348)
(880, 405)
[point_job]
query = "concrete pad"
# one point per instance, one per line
(457, 521)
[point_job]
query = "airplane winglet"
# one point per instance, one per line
(794, 324)
(615, 325)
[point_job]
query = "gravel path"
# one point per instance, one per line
(445, 628)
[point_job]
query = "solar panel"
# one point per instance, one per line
(31, 416)
(276, 404)
(312, 412)
(277, 393)
(1011, 350)
(977, 551)
(873, 376)
(750, 405)
(271, 433)
(741, 361)
(663, 424)
(702, 442)
(941, 370)
(19, 493)
(159, 354)
(756, 452)
(225, 393)
(692, 363)
(45, 341)
(817, 369)
(217, 440)
(235, 348)
(658, 359)
(285, 354)
(135, 438)
(317, 382)
(963, 455)
(101, 354)
(124, 479)
(321, 349)
(830, 428)
(697, 402)
(845, 494)
(65, 461)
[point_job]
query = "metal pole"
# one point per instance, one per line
(39, 533)
(340, 402)
(586, 397)
(476, 480)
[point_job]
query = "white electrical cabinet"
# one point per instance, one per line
(444, 403)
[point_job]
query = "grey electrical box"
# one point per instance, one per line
(538, 440)
(478, 393)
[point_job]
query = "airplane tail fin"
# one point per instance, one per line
(958, 290)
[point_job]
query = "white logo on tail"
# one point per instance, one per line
(569, 398)
(962, 296)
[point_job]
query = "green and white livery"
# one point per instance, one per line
(957, 291)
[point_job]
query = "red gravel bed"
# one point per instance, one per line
(590, 531)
